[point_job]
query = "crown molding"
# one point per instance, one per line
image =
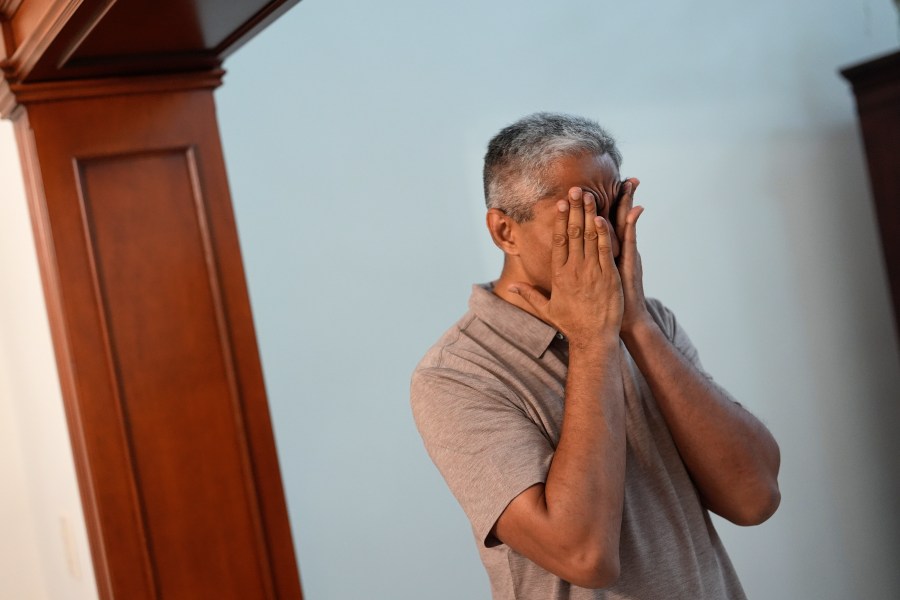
(28, 94)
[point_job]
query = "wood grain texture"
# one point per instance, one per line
(154, 334)
(172, 368)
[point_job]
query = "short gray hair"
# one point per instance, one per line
(517, 158)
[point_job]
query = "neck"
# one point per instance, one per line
(511, 274)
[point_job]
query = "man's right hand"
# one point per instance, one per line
(586, 301)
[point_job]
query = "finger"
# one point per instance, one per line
(560, 251)
(575, 228)
(630, 239)
(604, 245)
(590, 227)
(629, 257)
(532, 296)
(629, 243)
(625, 205)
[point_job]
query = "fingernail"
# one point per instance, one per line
(513, 289)
(562, 205)
(588, 198)
(575, 193)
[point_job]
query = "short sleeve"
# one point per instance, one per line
(666, 320)
(484, 444)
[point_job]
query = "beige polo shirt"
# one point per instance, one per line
(488, 401)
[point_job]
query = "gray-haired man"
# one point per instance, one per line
(570, 415)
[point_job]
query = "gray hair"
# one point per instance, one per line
(517, 158)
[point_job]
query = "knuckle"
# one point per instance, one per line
(559, 239)
(591, 236)
(574, 231)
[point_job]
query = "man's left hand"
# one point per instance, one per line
(629, 261)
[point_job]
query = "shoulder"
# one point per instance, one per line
(468, 351)
(460, 375)
(451, 356)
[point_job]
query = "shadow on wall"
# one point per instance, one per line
(842, 281)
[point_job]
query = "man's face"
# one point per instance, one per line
(595, 174)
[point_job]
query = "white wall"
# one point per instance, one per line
(43, 542)
(362, 233)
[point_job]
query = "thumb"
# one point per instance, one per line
(531, 295)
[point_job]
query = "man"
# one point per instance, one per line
(570, 415)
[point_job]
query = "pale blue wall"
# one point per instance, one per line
(354, 133)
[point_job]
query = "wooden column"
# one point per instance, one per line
(149, 310)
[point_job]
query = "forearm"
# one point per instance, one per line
(731, 456)
(585, 486)
(570, 525)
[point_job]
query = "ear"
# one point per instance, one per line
(503, 230)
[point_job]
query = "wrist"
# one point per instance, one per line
(597, 343)
(638, 329)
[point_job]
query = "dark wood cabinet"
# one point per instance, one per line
(876, 84)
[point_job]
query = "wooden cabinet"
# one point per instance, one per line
(876, 85)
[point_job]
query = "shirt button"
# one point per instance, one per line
(560, 336)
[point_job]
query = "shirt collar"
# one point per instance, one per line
(510, 321)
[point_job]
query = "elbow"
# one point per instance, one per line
(595, 570)
(759, 511)
(769, 506)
